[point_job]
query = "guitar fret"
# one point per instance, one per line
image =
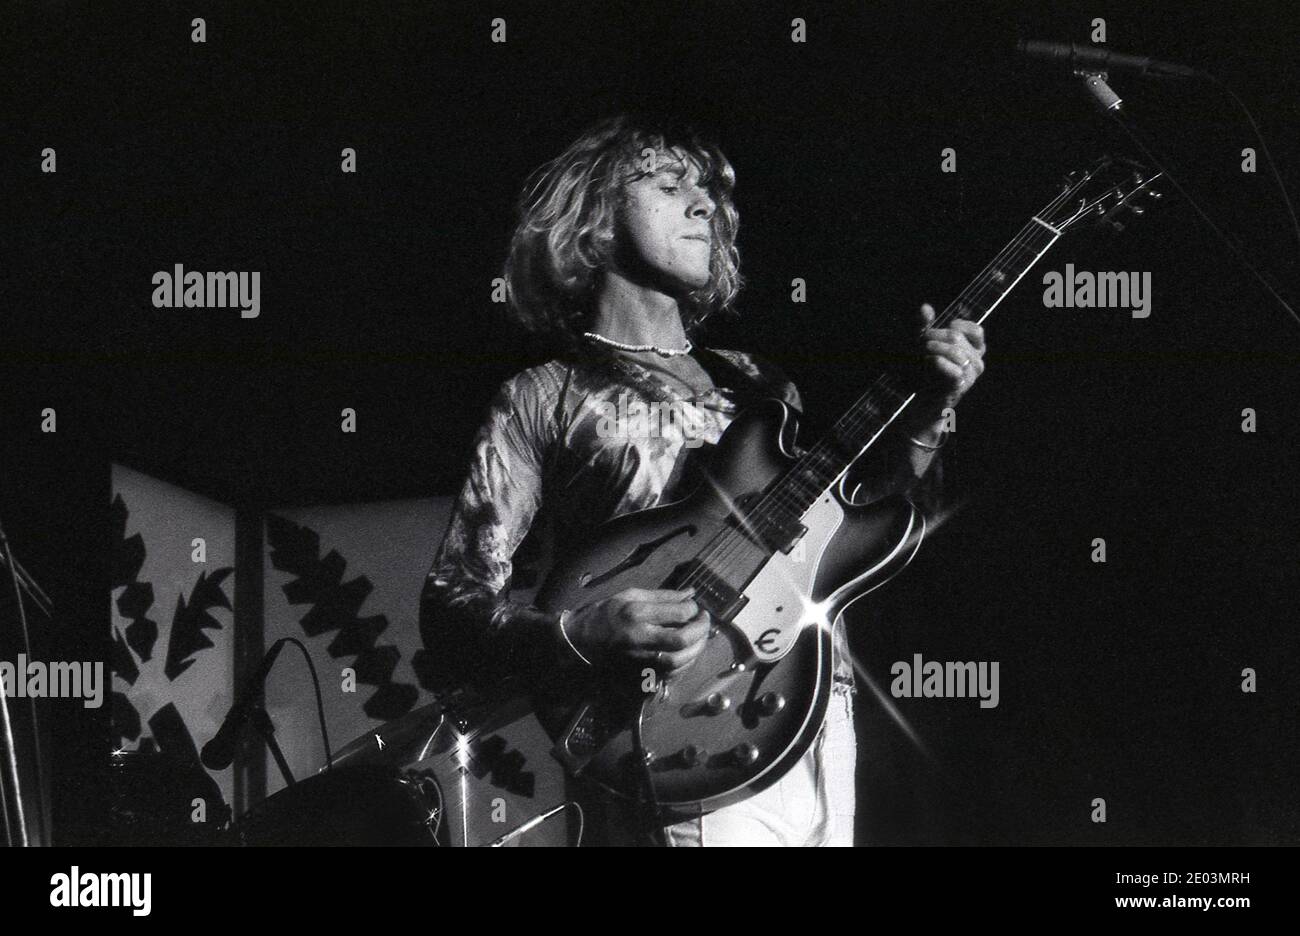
(991, 285)
(863, 422)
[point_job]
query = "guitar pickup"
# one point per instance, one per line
(793, 540)
(773, 530)
(772, 534)
(712, 593)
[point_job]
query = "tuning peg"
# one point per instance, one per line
(1117, 226)
(1137, 209)
(1156, 194)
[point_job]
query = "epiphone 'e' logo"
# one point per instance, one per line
(767, 640)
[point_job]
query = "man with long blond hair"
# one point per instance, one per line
(625, 247)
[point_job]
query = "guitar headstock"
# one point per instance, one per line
(1111, 193)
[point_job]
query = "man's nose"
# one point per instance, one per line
(702, 207)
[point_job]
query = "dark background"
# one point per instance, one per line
(1118, 680)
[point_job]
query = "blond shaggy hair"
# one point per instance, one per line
(564, 239)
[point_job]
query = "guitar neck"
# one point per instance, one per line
(885, 400)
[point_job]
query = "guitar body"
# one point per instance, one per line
(752, 702)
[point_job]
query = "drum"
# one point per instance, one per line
(487, 764)
(359, 804)
(152, 797)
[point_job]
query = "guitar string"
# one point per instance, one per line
(971, 293)
(804, 481)
(726, 543)
(809, 476)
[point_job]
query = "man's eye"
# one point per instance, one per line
(671, 189)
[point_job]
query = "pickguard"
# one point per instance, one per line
(781, 595)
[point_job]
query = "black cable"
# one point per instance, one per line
(1228, 242)
(320, 706)
(1272, 165)
(650, 801)
(4, 780)
(21, 609)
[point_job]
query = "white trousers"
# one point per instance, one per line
(812, 805)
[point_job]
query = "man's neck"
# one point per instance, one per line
(636, 314)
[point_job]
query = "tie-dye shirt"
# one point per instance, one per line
(568, 440)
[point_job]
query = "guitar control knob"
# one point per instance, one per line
(745, 753)
(689, 755)
(769, 703)
(716, 703)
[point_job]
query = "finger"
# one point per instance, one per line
(959, 352)
(950, 369)
(949, 335)
(643, 640)
(675, 662)
(696, 631)
(655, 594)
(662, 613)
(973, 331)
(640, 604)
(677, 658)
(927, 313)
(677, 638)
(942, 334)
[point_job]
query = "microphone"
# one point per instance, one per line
(220, 751)
(1076, 56)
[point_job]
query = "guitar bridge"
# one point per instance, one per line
(711, 591)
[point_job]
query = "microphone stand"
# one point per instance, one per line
(263, 725)
(248, 709)
(31, 586)
(8, 745)
(11, 777)
(1110, 103)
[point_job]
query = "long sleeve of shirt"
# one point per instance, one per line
(557, 434)
(472, 629)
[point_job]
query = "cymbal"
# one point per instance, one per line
(401, 742)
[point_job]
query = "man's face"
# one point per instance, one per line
(664, 231)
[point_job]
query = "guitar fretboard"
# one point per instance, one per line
(864, 422)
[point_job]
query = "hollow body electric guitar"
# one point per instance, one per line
(774, 550)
